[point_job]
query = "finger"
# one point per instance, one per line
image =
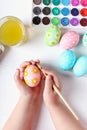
(24, 64)
(48, 84)
(55, 78)
(17, 78)
(22, 73)
(35, 62)
(56, 81)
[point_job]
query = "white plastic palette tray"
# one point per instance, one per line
(69, 16)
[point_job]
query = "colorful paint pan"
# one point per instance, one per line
(65, 13)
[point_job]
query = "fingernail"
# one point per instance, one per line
(48, 76)
(17, 70)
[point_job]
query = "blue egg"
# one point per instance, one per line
(67, 60)
(80, 68)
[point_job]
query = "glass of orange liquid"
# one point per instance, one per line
(12, 31)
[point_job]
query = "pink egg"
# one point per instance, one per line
(32, 76)
(69, 40)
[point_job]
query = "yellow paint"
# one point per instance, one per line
(53, 43)
(28, 67)
(26, 73)
(27, 83)
(57, 35)
(49, 35)
(34, 81)
(52, 27)
(11, 31)
(35, 70)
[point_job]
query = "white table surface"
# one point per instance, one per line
(74, 89)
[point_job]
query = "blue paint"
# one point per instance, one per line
(65, 11)
(65, 21)
(65, 2)
(75, 12)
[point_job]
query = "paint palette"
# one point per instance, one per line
(71, 13)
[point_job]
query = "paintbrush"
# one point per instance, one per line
(60, 95)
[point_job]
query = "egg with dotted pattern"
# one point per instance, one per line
(80, 68)
(66, 60)
(32, 76)
(52, 35)
(84, 39)
(69, 40)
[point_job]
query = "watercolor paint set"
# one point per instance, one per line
(65, 13)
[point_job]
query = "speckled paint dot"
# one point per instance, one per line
(83, 12)
(65, 21)
(83, 22)
(56, 2)
(37, 2)
(46, 10)
(45, 20)
(75, 2)
(75, 12)
(46, 2)
(74, 21)
(55, 21)
(36, 20)
(65, 11)
(65, 2)
(56, 11)
(37, 10)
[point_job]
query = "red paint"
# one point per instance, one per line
(83, 12)
(83, 22)
(83, 3)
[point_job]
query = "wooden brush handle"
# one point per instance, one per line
(65, 102)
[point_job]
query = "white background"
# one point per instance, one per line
(74, 89)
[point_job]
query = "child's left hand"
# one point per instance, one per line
(19, 79)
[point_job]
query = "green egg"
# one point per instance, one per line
(52, 35)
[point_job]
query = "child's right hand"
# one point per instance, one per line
(49, 95)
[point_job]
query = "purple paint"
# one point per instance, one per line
(74, 21)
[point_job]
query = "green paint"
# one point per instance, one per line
(56, 11)
(55, 21)
(46, 2)
(56, 2)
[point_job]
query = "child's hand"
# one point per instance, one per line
(19, 79)
(50, 96)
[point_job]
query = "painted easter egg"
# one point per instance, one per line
(52, 35)
(67, 60)
(80, 68)
(84, 39)
(32, 76)
(69, 40)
